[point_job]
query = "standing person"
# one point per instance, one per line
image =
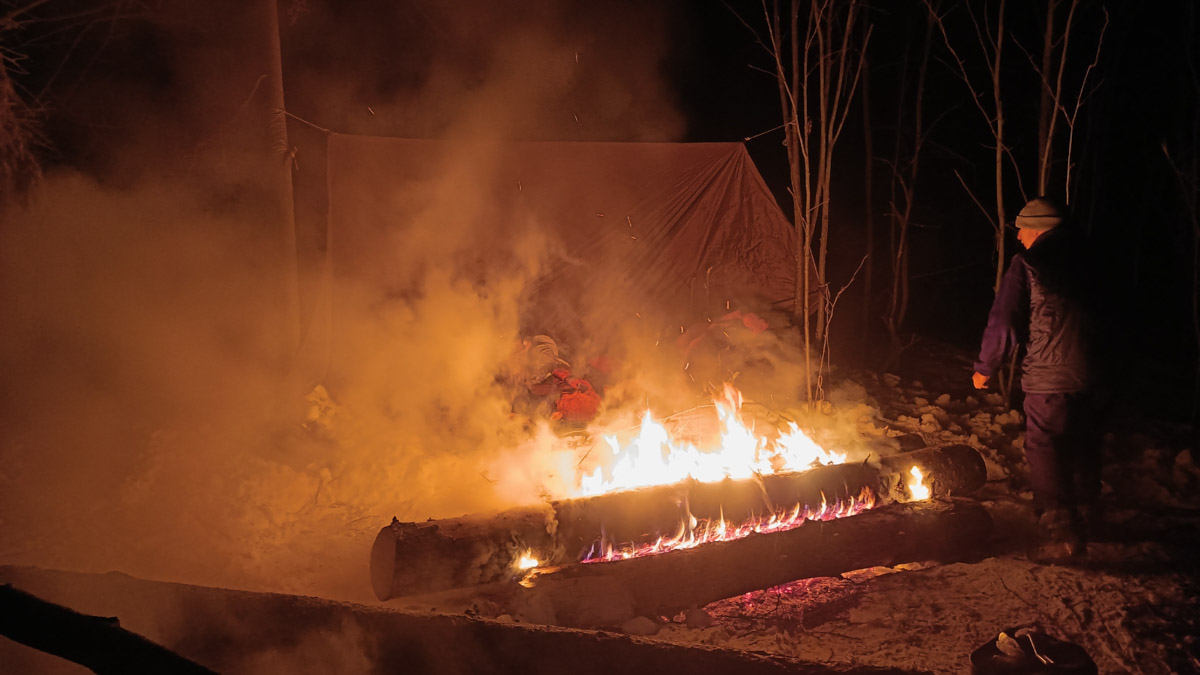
(1043, 302)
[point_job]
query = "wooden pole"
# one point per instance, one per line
(280, 155)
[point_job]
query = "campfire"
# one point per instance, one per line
(654, 457)
(663, 522)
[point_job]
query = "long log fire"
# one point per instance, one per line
(419, 558)
(608, 594)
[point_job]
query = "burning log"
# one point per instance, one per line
(607, 594)
(418, 558)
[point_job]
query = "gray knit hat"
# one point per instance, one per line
(1041, 214)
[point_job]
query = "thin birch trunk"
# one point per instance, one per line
(812, 54)
(1001, 217)
(824, 29)
(868, 193)
(1046, 107)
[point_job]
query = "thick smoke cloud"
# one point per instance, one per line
(156, 421)
(152, 425)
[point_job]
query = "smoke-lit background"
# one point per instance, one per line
(151, 421)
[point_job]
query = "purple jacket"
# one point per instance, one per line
(1043, 303)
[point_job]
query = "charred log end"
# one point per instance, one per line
(956, 470)
(950, 471)
(410, 558)
(383, 560)
(417, 558)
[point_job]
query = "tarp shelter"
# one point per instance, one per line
(678, 231)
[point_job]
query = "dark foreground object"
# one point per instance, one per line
(419, 558)
(608, 594)
(1030, 652)
(96, 642)
(263, 633)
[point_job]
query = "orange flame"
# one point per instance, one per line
(653, 457)
(916, 487)
(693, 532)
(527, 561)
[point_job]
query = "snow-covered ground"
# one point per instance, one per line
(1131, 603)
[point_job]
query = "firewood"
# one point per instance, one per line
(420, 558)
(607, 594)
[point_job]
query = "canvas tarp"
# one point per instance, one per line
(623, 229)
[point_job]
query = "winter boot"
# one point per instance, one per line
(1061, 537)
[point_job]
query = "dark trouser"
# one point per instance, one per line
(1062, 446)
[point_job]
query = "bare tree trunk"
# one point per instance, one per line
(813, 53)
(991, 46)
(800, 158)
(904, 179)
(790, 109)
(868, 191)
(824, 33)
(1072, 115)
(1046, 107)
(1001, 218)
(281, 157)
(800, 71)
(1055, 105)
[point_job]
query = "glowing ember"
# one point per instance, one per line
(694, 532)
(916, 487)
(527, 561)
(654, 458)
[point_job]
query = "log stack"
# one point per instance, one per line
(411, 559)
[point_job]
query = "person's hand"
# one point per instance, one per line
(980, 380)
